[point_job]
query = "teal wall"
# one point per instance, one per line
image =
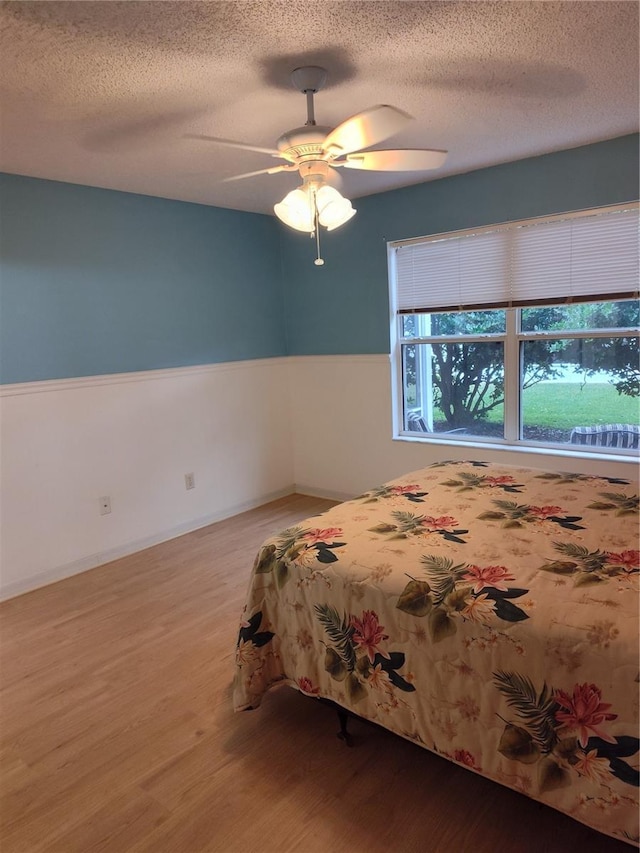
(343, 306)
(94, 281)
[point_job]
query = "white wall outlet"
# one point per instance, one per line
(105, 505)
(189, 481)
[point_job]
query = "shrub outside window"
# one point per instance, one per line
(520, 362)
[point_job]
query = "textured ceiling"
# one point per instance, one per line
(102, 93)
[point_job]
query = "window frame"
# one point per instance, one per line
(513, 339)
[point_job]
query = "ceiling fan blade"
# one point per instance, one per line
(400, 160)
(365, 129)
(272, 171)
(230, 143)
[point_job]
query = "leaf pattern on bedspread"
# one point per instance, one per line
(475, 594)
(517, 515)
(297, 546)
(592, 567)
(468, 480)
(408, 524)
(622, 503)
(564, 733)
(562, 478)
(357, 655)
(488, 613)
(410, 492)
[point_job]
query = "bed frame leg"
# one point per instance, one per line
(343, 734)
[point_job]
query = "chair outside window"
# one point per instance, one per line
(623, 436)
(416, 423)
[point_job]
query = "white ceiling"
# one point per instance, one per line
(102, 93)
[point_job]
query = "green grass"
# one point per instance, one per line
(564, 405)
(567, 404)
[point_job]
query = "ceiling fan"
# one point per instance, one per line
(314, 151)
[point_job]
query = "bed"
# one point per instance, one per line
(488, 613)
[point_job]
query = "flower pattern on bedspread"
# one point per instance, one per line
(471, 593)
(488, 613)
(357, 654)
(563, 732)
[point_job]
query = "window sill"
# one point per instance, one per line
(527, 449)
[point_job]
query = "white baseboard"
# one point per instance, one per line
(94, 560)
(328, 494)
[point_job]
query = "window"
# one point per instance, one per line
(520, 334)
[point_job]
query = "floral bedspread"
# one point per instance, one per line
(488, 613)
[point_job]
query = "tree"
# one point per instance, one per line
(468, 378)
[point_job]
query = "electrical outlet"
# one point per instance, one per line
(189, 481)
(105, 505)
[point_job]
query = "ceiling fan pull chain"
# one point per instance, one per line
(318, 261)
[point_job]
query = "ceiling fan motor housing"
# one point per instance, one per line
(303, 142)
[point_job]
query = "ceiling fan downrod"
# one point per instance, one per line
(311, 119)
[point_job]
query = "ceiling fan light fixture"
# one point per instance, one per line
(296, 211)
(333, 208)
(298, 208)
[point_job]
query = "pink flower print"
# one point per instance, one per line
(499, 481)
(629, 560)
(368, 633)
(492, 576)
(442, 522)
(404, 490)
(583, 712)
(544, 512)
(306, 686)
(327, 534)
(464, 757)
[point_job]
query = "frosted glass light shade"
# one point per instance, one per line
(296, 211)
(333, 209)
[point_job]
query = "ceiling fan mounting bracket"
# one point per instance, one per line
(309, 78)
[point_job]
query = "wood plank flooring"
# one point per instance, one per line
(117, 732)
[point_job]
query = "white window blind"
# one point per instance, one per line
(564, 259)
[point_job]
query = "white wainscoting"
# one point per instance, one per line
(248, 430)
(341, 426)
(133, 437)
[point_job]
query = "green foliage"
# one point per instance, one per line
(518, 745)
(339, 632)
(614, 355)
(552, 776)
(468, 377)
(266, 560)
(440, 625)
(442, 575)
(408, 522)
(591, 561)
(334, 665)
(415, 598)
(354, 688)
(468, 380)
(535, 711)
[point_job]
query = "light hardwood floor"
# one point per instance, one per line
(118, 734)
